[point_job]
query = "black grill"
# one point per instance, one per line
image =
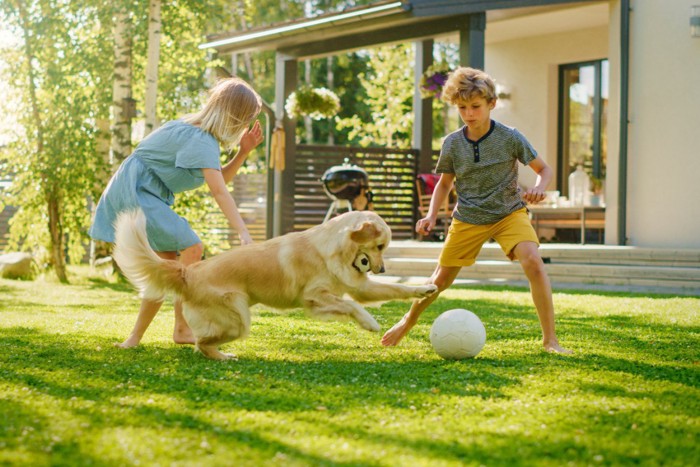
(345, 181)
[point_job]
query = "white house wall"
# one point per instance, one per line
(664, 132)
(663, 195)
(528, 68)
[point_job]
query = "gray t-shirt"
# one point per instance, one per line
(486, 172)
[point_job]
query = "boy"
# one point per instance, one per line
(481, 160)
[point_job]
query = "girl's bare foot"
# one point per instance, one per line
(554, 347)
(131, 341)
(183, 335)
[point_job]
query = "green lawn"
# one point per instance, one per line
(305, 392)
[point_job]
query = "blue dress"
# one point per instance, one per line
(170, 160)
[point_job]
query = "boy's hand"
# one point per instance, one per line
(534, 195)
(425, 226)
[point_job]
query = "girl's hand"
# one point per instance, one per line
(251, 138)
(245, 238)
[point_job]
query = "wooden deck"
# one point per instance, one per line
(597, 267)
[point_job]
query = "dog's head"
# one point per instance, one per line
(369, 236)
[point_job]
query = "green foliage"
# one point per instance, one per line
(55, 160)
(389, 89)
(304, 392)
(316, 103)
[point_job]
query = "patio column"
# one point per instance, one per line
(423, 109)
(472, 42)
(281, 194)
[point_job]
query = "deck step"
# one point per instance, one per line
(619, 268)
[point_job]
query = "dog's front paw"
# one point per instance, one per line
(368, 322)
(426, 290)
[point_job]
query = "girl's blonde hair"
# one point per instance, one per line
(464, 84)
(231, 107)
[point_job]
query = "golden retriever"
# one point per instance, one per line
(313, 269)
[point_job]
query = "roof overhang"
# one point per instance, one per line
(370, 25)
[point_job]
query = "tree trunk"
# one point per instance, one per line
(122, 102)
(51, 192)
(56, 232)
(329, 82)
(246, 55)
(154, 25)
(308, 124)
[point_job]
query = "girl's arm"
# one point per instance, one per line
(250, 139)
(217, 186)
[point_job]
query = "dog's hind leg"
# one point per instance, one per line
(325, 305)
(225, 322)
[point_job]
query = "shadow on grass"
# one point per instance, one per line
(574, 291)
(73, 366)
(121, 285)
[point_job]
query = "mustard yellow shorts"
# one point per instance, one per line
(464, 241)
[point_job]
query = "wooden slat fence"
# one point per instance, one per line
(391, 172)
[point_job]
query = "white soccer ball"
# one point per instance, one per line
(457, 334)
(362, 263)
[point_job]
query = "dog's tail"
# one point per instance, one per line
(151, 274)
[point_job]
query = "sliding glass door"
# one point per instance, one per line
(583, 104)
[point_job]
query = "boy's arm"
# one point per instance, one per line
(440, 194)
(544, 176)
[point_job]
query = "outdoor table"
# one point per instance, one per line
(562, 217)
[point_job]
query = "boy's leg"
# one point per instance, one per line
(147, 311)
(182, 334)
(462, 246)
(527, 253)
(443, 277)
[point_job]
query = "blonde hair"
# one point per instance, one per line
(231, 107)
(464, 84)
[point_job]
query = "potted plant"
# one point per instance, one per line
(433, 79)
(317, 103)
(597, 191)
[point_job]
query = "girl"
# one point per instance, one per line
(182, 155)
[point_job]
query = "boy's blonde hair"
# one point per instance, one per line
(464, 84)
(229, 111)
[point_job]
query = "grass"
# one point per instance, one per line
(304, 392)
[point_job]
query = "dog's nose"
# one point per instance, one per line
(382, 270)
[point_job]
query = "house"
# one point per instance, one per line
(629, 68)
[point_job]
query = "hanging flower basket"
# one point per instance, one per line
(317, 103)
(433, 80)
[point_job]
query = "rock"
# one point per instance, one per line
(17, 266)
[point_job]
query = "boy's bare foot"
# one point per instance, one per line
(394, 335)
(554, 347)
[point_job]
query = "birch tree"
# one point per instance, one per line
(59, 72)
(152, 59)
(123, 104)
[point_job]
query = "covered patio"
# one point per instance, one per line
(296, 194)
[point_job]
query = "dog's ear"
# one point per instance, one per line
(365, 232)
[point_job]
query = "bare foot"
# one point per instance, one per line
(394, 335)
(183, 335)
(210, 351)
(554, 347)
(131, 341)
